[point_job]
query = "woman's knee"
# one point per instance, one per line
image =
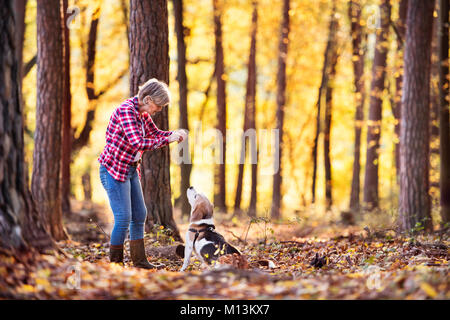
(122, 220)
(140, 215)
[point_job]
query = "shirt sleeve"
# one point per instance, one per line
(133, 132)
(151, 130)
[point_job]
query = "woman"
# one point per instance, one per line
(130, 132)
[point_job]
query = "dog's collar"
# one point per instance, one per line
(204, 221)
(208, 227)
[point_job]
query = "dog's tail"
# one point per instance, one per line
(230, 250)
(180, 251)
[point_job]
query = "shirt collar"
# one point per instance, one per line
(135, 101)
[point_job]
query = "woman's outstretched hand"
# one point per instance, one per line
(178, 135)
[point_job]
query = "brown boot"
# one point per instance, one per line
(116, 253)
(137, 251)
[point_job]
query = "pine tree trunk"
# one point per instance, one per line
(45, 183)
(444, 118)
(397, 108)
(93, 93)
(434, 86)
(252, 117)
(20, 224)
(327, 128)
(19, 13)
(66, 121)
(183, 90)
(87, 186)
(322, 89)
(220, 192)
(149, 58)
(249, 121)
(281, 101)
(354, 12)
(414, 201)
(376, 100)
(83, 138)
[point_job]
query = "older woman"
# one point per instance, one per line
(130, 132)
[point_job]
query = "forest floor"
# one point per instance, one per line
(284, 261)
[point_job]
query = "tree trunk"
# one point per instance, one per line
(45, 184)
(444, 119)
(220, 192)
(414, 201)
(434, 86)
(149, 58)
(252, 121)
(322, 88)
(327, 128)
(86, 183)
(20, 224)
(183, 90)
(66, 121)
(19, 13)
(281, 101)
(249, 121)
(376, 100)
(92, 92)
(358, 54)
(397, 107)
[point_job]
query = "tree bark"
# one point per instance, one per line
(20, 224)
(327, 127)
(249, 122)
(322, 88)
(87, 187)
(281, 101)
(376, 100)
(444, 119)
(434, 85)
(67, 115)
(358, 55)
(45, 185)
(401, 30)
(149, 58)
(220, 192)
(414, 200)
(19, 13)
(183, 92)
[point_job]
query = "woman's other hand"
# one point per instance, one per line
(175, 136)
(183, 133)
(178, 135)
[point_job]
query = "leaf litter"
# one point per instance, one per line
(348, 263)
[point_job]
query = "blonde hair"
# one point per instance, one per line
(157, 90)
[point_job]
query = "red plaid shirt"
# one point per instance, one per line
(124, 138)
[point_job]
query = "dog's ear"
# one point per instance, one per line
(198, 212)
(203, 210)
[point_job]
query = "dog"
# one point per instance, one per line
(201, 236)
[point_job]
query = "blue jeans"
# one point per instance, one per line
(127, 204)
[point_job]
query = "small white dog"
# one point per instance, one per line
(201, 237)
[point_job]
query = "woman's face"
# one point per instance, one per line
(150, 107)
